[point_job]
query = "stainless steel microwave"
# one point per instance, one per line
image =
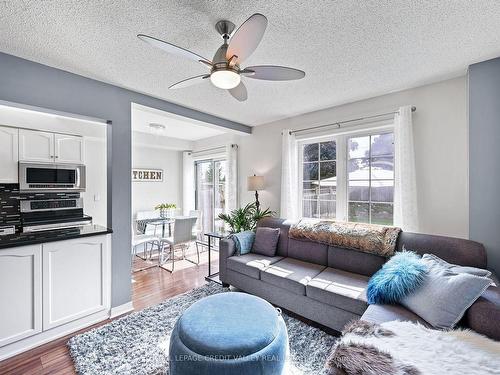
(50, 177)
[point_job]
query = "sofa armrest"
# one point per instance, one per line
(227, 248)
(484, 314)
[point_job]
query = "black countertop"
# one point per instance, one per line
(22, 239)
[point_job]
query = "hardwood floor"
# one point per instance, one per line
(149, 287)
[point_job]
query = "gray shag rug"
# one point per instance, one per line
(138, 343)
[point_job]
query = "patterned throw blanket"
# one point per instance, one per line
(368, 238)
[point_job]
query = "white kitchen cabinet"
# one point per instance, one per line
(9, 156)
(36, 146)
(20, 293)
(76, 279)
(68, 148)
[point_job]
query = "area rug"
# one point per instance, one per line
(137, 344)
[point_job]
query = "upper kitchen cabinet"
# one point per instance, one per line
(9, 138)
(68, 148)
(36, 146)
(40, 146)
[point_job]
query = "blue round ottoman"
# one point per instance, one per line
(226, 334)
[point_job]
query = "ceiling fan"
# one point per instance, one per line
(225, 70)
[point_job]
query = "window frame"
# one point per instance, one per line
(341, 138)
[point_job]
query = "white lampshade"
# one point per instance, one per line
(255, 183)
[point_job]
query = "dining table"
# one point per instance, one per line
(157, 222)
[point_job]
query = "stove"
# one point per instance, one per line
(49, 214)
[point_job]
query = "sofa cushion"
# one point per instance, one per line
(456, 268)
(400, 276)
(291, 274)
(308, 251)
(354, 261)
(339, 288)
(444, 296)
(243, 241)
(284, 225)
(251, 264)
(266, 241)
(453, 250)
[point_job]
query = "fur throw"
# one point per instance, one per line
(368, 238)
(406, 348)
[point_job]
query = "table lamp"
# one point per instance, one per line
(256, 183)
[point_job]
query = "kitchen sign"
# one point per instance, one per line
(149, 175)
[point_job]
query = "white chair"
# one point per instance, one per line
(198, 230)
(144, 240)
(144, 215)
(182, 237)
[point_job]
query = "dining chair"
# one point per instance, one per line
(145, 240)
(182, 237)
(198, 228)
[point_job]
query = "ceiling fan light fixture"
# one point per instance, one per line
(225, 79)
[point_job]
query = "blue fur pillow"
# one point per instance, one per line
(397, 278)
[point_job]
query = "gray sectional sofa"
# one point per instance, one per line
(328, 284)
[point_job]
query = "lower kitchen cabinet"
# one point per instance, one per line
(52, 289)
(75, 279)
(20, 293)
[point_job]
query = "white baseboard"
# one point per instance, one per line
(122, 309)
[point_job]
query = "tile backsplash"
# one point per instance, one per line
(9, 202)
(9, 205)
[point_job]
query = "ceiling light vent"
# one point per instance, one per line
(156, 126)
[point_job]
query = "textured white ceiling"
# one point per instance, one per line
(349, 50)
(175, 126)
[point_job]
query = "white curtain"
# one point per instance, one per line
(405, 185)
(289, 177)
(232, 199)
(188, 181)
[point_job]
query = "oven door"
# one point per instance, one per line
(51, 177)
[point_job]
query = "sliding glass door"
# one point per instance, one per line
(211, 192)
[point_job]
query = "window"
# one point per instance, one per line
(361, 191)
(370, 165)
(319, 180)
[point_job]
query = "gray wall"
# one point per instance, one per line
(29, 83)
(484, 157)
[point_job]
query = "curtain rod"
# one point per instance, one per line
(212, 149)
(338, 123)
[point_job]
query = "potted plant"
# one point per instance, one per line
(165, 208)
(245, 218)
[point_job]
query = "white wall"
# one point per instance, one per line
(95, 197)
(441, 149)
(146, 195)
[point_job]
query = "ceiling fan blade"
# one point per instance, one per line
(272, 73)
(248, 36)
(189, 81)
(173, 49)
(239, 92)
